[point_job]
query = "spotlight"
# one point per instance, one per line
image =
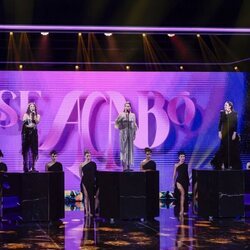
(181, 67)
(236, 68)
(44, 33)
(79, 34)
(76, 67)
(143, 34)
(198, 35)
(20, 66)
(127, 67)
(11, 33)
(108, 34)
(171, 35)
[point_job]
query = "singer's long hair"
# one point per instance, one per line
(127, 102)
(28, 109)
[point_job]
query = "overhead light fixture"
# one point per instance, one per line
(79, 34)
(108, 34)
(11, 33)
(181, 67)
(20, 66)
(76, 67)
(198, 35)
(143, 34)
(171, 35)
(236, 68)
(127, 67)
(44, 33)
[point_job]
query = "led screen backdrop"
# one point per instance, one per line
(175, 111)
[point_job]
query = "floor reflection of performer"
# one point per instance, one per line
(53, 165)
(126, 123)
(148, 164)
(30, 138)
(3, 166)
(89, 190)
(90, 234)
(181, 183)
(182, 235)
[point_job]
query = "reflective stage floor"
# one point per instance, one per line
(165, 232)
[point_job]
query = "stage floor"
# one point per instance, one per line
(165, 232)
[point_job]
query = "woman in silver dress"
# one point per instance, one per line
(126, 123)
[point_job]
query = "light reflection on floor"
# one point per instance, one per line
(165, 232)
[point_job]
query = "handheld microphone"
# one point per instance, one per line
(33, 114)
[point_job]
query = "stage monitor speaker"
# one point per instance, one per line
(220, 193)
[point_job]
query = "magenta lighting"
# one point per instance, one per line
(124, 29)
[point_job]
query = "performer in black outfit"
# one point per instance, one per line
(30, 138)
(148, 164)
(89, 190)
(181, 183)
(3, 166)
(229, 148)
(228, 155)
(54, 165)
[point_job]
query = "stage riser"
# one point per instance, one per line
(129, 195)
(41, 195)
(220, 193)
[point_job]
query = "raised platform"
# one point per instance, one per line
(39, 196)
(129, 195)
(219, 193)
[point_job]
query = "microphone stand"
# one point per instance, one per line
(128, 140)
(128, 144)
(228, 143)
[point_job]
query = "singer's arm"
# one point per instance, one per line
(235, 125)
(220, 123)
(118, 120)
(37, 118)
(25, 117)
(135, 126)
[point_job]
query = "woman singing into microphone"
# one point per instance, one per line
(229, 148)
(30, 138)
(228, 155)
(126, 123)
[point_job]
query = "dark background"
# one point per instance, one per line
(213, 13)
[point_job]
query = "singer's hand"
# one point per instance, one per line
(220, 135)
(234, 136)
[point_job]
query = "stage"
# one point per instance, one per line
(165, 230)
